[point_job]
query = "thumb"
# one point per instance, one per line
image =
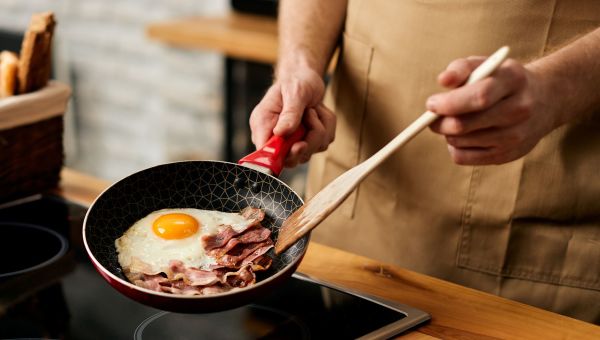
(290, 116)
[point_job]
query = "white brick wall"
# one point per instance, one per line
(136, 102)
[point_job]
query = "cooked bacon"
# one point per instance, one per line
(190, 275)
(255, 257)
(152, 282)
(242, 278)
(256, 214)
(261, 263)
(227, 233)
(254, 235)
(235, 257)
(239, 254)
(219, 239)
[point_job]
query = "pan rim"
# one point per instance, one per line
(233, 291)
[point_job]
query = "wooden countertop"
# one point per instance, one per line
(457, 312)
(242, 36)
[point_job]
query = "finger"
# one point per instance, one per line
(327, 117)
(316, 135)
(508, 79)
(458, 71)
(508, 112)
(480, 156)
(297, 152)
(264, 117)
(293, 108)
(487, 138)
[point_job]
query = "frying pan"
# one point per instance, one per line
(210, 185)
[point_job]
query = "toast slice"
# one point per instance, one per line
(9, 65)
(35, 59)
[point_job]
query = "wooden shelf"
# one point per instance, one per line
(242, 36)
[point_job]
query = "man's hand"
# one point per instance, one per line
(495, 120)
(291, 100)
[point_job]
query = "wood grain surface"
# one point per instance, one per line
(457, 312)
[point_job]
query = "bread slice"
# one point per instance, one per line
(9, 65)
(35, 58)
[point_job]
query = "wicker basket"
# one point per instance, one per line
(31, 149)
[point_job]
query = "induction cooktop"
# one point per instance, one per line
(54, 293)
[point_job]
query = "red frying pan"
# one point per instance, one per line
(209, 185)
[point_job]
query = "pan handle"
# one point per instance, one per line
(271, 156)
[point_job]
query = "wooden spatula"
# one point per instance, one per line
(329, 198)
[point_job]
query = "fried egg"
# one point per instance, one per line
(172, 234)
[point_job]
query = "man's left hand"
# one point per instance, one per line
(495, 120)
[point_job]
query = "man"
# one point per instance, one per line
(514, 208)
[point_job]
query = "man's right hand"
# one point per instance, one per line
(295, 98)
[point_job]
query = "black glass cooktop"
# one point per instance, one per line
(62, 297)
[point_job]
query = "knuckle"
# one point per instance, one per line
(458, 157)
(520, 76)
(332, 118)
(454, 126)
(461, 65)
(503, 156)
(482, 95)
(304, 158)
(312, 147)
(452, 140)
(511, 63)
(516, 71)
(515, 138)
(293, 89)
(254, 116)
(324, 142)
(525, 106)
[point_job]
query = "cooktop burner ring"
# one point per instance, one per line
(21, 230)
(301, 330)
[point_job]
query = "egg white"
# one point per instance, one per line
(140, 243)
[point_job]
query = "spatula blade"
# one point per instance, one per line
(315, 210)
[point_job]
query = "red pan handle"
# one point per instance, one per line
(272, 155)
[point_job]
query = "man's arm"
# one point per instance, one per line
(308, 34)
(573, 76)
(502, 118)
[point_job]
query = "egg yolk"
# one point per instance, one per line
(175, 226)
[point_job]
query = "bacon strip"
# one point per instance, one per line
(235, 257)
(254, 216)
(254, 235)
(218, 240)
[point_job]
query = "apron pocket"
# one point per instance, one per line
(349, 89)
(554, 253)
(535, 250)
(537, 218)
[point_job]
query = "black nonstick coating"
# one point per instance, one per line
(209, 185)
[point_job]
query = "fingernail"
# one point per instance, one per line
(431, 101)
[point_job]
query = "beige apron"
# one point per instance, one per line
(528, 230)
